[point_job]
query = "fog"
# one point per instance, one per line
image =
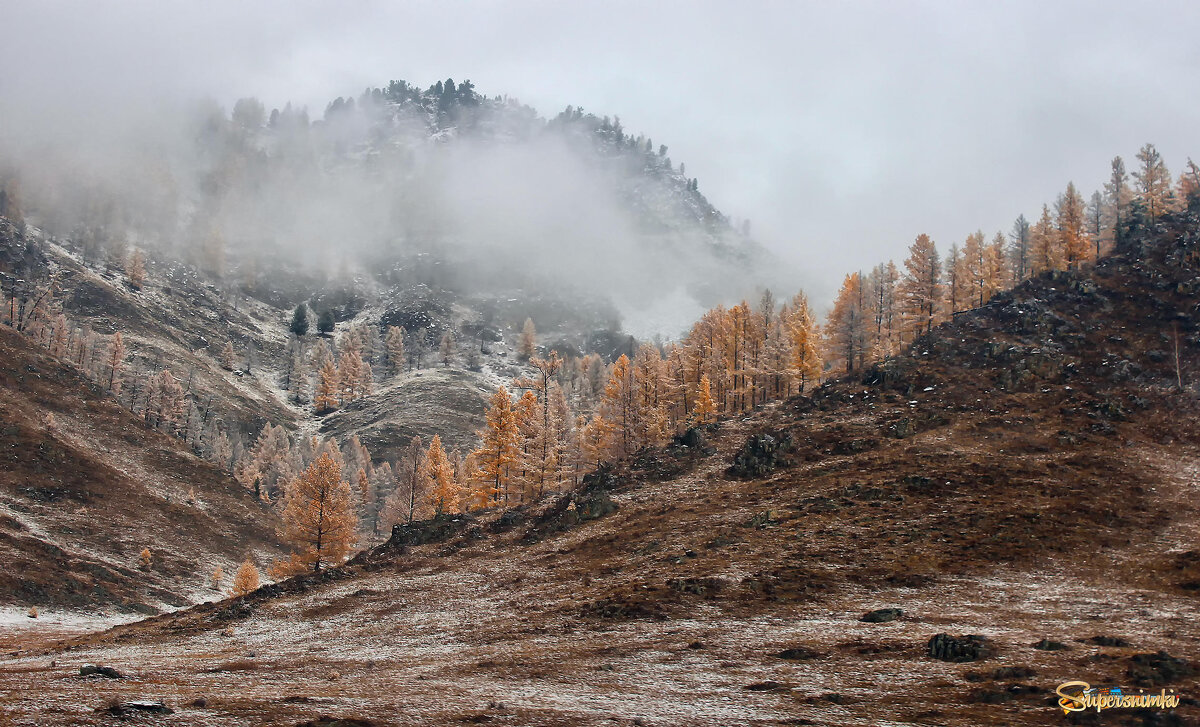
(840, 130)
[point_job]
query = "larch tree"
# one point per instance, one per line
(246, 579)
(447, 349)
(651, 398)
(394, 342)
(498, 452)
(1118, 197)
(617, 406)
(1094, 222)
(975, 265)
(548, 444)
(954, 277)
(135, 269)
(1189, 184)
(226, 357)
(529, 427)
(444, 494)
(1046, 251)
(1153, 183)
(847, 328)
(318, 520)
(705, 411)
(327, 387)
(413, 482)
(350, 368)
(222, 451)
(806, 357)
(218, 578)
(366, 381)
(527, 346)
(116, 361)
(920, 287)
(1073, 240)
(165, 407)
(997, 272)
(595, 440)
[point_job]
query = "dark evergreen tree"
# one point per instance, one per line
(325, 322)
(299, 320)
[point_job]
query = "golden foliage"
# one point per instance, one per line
(318, 520)
(246, 579)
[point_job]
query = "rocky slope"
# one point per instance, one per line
(1020, 487)
(85, 486)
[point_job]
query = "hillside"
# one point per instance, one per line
(1027, 473)
(84, 487)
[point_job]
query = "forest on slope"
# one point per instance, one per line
(508, 430)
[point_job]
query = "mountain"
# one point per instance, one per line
(85, 487)
(1020, 486)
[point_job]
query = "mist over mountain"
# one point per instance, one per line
(497, 195)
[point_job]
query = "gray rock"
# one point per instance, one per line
(881, 615)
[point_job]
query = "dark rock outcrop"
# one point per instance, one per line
(958, 648)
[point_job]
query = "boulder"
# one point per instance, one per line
(881, 615)
(88, 670)
(958, 648)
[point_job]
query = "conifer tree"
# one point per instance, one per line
(847, 329)
(299, 324)
(547, 444)
(498, 452)
(222, 453)
(1020, 242)
(366, 381)
(1118, 196)
(116, 361)
(327, 388)
(135, 269)
(651, 403)
(350, 369)
(802, 326)
(920, 288)
(955, 280)
(447, 348)
(1095, 222)
(218, 578)
(975, 265)
(165, 407)
(1044, 243)
(318, 520)
(528, 343)
(395, 349)
(325, 322)
(1153, 183)
(997, 271)
(1189, 184)
(529, 428)
(444, 494)
(145, 558)
(245, 581)
(618, 408)
(1073, 240)
(595, 438)
(705, 411)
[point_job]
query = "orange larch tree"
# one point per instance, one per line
(920, 288)
(444, 494)
(318, 520)
(498, 452)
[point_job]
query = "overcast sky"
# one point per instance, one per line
(840, 129)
